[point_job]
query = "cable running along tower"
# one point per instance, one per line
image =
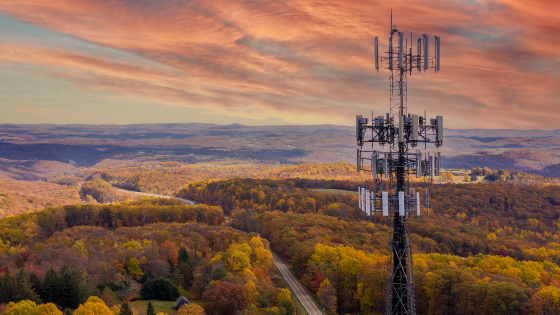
(401, 132)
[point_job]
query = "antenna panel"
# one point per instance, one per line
(419, 165)
(432, 167)
(367, 201)
(418, 204)
(426, 53)
(401, 203)
(391, 53)
(401, 129)
(401, 52)
(360, 197)
(386, 164)
(385, 202)
(376, 50)
(437, 52)
(419, 54)
(358, 161)
(414, 127)
(438, 166)
(439, 123)
(359, 127)
(374, 164)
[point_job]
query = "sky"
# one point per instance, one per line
(271, 62)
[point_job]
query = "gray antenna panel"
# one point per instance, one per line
(419, 164)
(376, 50)
(401, 129)
(360, 197)
(358, 127)
(439, 123)
(419, 51)
(432, 167)
(374, 164)
(414, 127)
(391, 53)
(426, 52)
(401, 52)
(358, 161)
(386, 164)
(437, 52)
(438, 169)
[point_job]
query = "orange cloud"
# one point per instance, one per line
(306, 61)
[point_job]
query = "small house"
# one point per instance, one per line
(180, 302)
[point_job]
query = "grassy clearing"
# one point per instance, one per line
(335, 191)
(160, 306)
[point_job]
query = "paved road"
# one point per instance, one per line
(189, 202)
(301, 294)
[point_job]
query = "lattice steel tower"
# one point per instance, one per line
(400, 131)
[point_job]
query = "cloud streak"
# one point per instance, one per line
(305, 61)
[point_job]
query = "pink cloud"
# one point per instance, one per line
(302, 59)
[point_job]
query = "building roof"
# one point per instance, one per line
(181, 300)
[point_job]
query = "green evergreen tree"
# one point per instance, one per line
(70, 288)
(8, 287)
(36, 284)
(51, 286)
(183, 255)
(150, 310)
(23, 290)
(125, 309)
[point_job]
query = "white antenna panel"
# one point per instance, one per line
(385, 202)
(401, 203)
(418, 204)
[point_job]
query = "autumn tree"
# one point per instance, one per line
(191, 309)
(47, 309)
(251, 293)
(327, 295)
(93, 306)
(284, 301)
(96, 188)
(134, 269)
(225, 298)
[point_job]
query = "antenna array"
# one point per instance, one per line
(400, 131)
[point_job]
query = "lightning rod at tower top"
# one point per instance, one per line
(401, 132)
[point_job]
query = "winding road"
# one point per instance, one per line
(300, 293)
(189, 202)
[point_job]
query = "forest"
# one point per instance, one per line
(65, 256)
(496, 240)
(485, 248)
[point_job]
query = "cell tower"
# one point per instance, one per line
(399, 130)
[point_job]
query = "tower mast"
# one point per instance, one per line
(399, 130)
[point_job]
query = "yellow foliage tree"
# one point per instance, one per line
(24, 307)
(134, 269)
(237, 260)
(47, 309)
(551, 294)
(191, 309)
(93, 306)
(251, 293)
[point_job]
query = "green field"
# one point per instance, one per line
(159, 306)
(336, 191)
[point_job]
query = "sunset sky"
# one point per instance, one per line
(273, 62)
